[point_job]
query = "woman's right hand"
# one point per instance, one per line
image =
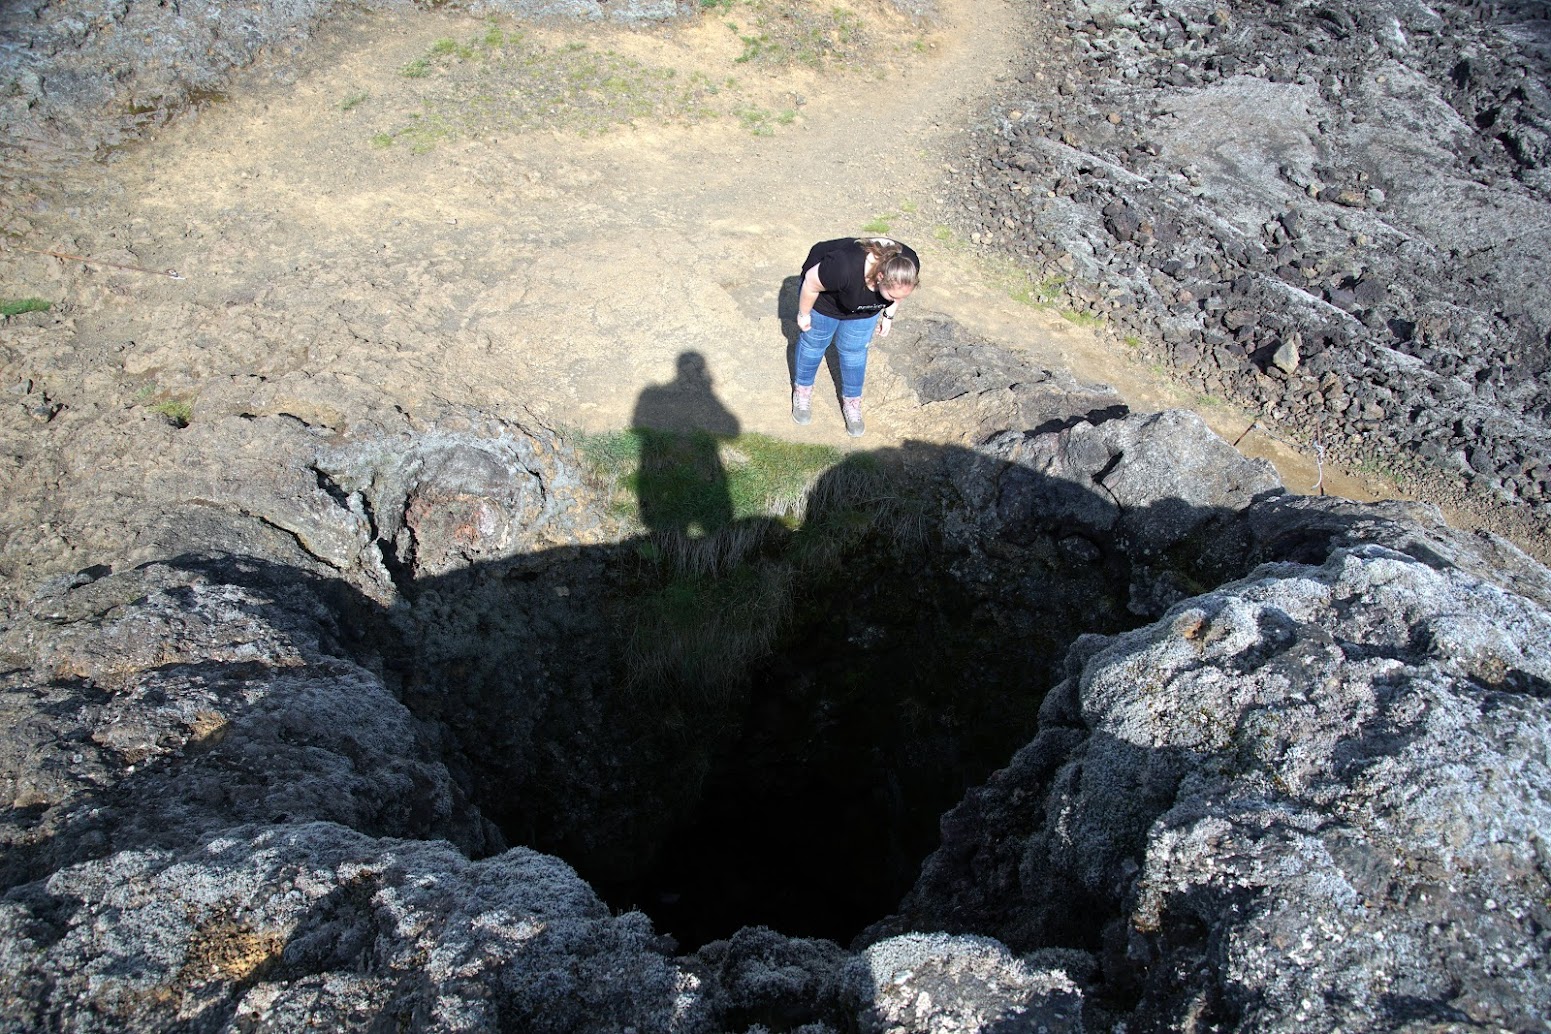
(805, 321)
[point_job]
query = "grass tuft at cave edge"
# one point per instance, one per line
(729, 527)
(675, 477)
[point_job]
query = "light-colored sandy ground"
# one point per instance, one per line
(542, 274)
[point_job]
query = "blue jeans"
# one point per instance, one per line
(851, 338)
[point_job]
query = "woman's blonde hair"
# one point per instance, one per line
(891, 267)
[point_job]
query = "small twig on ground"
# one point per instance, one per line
(1319, 450)
(170, 273)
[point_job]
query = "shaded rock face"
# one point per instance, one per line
(1307, 800)
(1334, 216)
(244, 793)
(165, 702)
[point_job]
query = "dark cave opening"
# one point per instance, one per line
(803, 791)
(855, 739)
(764, 726)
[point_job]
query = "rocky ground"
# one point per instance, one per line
(316, 661)
(1307, 799)
(1335, 217)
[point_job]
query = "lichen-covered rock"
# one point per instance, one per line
(282, 928)
(381, 503)
(1286, 203)
(88, 74)
(935, 983)
(152, 707)
(1306, 800)
(1150, 479)
(465, 491)
(1310, 800)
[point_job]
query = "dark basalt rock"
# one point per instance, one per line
(241, 792)
(1371, 179)
(1276, 763)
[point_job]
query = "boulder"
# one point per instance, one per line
(1307, 800)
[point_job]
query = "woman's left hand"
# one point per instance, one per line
(884, 325)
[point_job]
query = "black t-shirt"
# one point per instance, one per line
(842, 267)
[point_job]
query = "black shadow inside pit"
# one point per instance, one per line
(888, 658)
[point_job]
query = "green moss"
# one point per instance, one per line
(19, 306)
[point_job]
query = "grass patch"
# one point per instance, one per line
(353, 100)
(879, 225)
(762, 122)
(1041, 294)
(503, 80)
(20, 306)
(422, 133)
(698, 482)
(729, 529)
(777, 33)
(1380, 470)
(697, 634)
(449, 47)
(177, 411)
(1081, 319)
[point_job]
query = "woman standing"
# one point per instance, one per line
(851, 289)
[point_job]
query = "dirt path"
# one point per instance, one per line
(542, 274)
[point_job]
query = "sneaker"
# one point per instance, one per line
(852, 409)
(802, 405)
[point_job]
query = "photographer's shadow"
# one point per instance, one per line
(681, 425)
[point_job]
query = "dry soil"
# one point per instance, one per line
(550, 272)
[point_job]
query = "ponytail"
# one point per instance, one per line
(890, 266)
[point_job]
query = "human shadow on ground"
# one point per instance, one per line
(681, 485)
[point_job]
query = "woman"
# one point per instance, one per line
(851, 289)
